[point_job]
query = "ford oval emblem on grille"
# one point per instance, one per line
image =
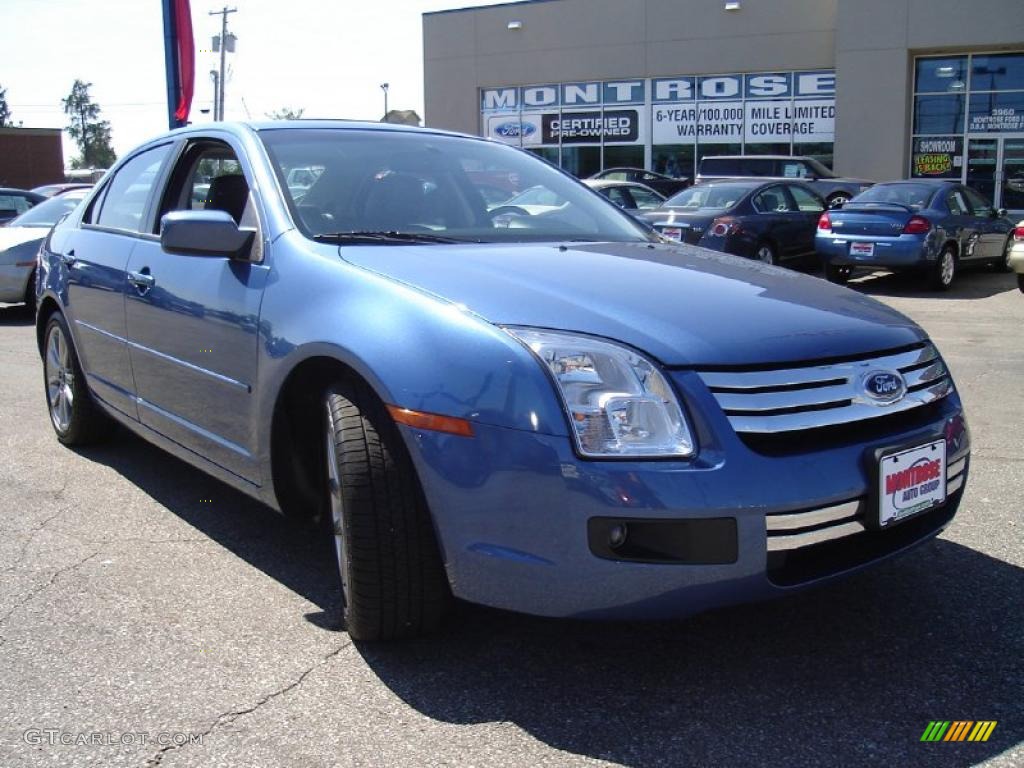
(884, 387)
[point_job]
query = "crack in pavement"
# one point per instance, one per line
(31, 537)
(230, 717)
(53, 578)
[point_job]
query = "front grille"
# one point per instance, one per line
(817, 396)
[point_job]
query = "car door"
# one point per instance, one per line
(193, 321)
(810, 207)
(778, 220)
(96, 256)
(960, 222)
(992, 229)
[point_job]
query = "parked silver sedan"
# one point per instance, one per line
(19, 243)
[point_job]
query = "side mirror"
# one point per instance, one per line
(204, 233)
(1001, 213)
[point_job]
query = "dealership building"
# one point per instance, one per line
(879, 89)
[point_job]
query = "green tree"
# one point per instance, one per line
(87, 129)
(5, 111)
(286, 113)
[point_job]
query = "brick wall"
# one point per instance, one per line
(30, 157)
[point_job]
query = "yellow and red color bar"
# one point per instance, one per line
(959, 730)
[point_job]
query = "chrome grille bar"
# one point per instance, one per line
(786, 400)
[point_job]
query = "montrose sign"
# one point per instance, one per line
(765, 107)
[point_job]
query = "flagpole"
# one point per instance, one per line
(171, 63)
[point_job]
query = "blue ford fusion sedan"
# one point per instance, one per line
(553, 412)
(928, 226)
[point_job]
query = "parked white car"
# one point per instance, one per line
(1015, 259)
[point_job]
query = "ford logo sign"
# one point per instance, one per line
(514, 129)
(884, 387)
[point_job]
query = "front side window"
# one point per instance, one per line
(956, 203)
(210, 178)
(806, 200)
(125, 199)
(645, 199)
(979, 204)
(430, 187)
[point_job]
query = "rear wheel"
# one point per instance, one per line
(943, 272)
(765, 253)
(839, 274)
(30, 292)
(76, 418)
(392, 579)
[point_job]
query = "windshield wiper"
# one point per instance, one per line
(384, 237)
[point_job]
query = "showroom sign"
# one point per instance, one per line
(761, 108)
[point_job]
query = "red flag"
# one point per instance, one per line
(186, 58)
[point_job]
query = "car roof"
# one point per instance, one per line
(602, 183)
(754, 157)
(17, 191)
(926, 182)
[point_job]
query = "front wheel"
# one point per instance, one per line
(839, 274)
(75, 417)
(393, 582)
(943, 272)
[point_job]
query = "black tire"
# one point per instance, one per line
(74, 415)
(765, 253)
(839, 274)
(1020, 282)
(1003, 264)
(30, 293)
(942, 273)
(392, 577)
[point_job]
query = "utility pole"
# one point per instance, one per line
(223, 13)
(384, 87)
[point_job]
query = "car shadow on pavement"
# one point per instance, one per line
(16, 314)
(848, 674)
(979, 283)
(297, 555)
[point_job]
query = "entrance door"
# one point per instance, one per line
(995, 167)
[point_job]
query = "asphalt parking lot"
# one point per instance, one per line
(139, 596)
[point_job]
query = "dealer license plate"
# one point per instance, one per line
(911, 482)
(673, 233)
(862, 249)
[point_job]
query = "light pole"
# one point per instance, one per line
(216, 93)
(384, 87)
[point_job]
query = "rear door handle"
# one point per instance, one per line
(142, 280)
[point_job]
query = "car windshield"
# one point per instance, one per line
(435, 188)
(820, 170)
(914, 195)
(49, 212)
(711, 197)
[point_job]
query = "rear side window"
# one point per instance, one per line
(124, 202)
(956, 203)
(756, 166)
(794, 169)
(14, 205)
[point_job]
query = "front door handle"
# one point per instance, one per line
(68, 258)
(142, 280)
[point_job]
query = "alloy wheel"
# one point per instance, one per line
(60, 379)
(947, 267)
(337, 504)
(765, 254)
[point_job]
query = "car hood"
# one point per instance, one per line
(683, 305)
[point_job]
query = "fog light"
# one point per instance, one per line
(617, 536)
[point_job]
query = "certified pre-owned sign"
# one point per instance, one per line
(590, 127)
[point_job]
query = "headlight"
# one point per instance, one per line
(618, 402)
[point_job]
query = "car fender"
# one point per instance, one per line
(413, 349)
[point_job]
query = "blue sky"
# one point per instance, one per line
(326, 56)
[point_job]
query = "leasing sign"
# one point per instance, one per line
(766, 107)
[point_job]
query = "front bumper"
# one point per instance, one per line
(515, 515)
(903, 252)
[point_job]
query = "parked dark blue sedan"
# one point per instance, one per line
(772, 221)
(933, 227)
